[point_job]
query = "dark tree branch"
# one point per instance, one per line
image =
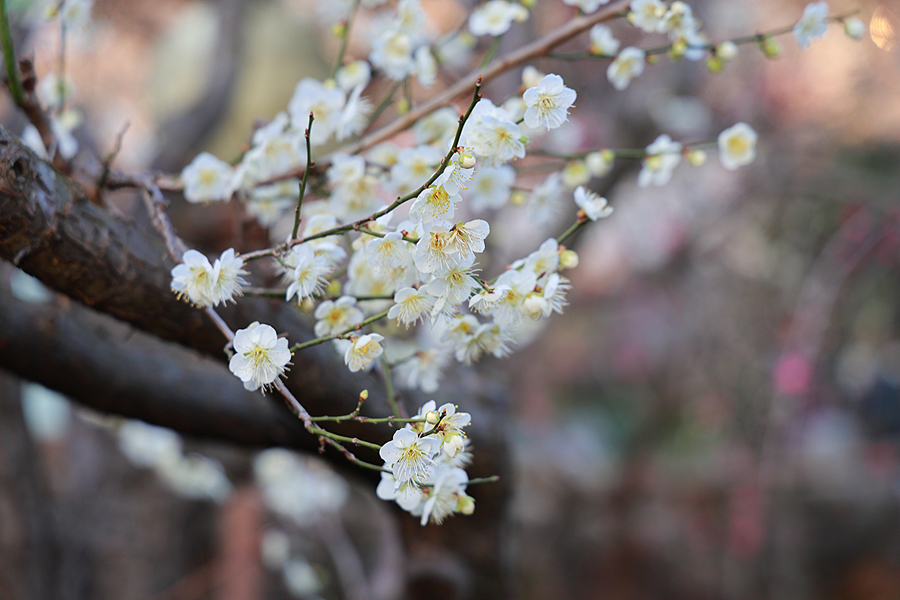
(108, 366)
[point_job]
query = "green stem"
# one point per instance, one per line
(491, 479)
(352, 458)
(571, 231)
(309, 166)
(491, 51)
(342, 438)
(345, 40)
(335, 336)
(9, 57)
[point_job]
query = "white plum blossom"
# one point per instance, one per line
(548, 103)
(467, 239)
(459, 172)
(206, 179)
(412, 167)
(410, 306)
(392, 52)
(737, 146)
(488, 338)
(446, 495)
(602, 41)
(425, 66)
(531, 76)
(388, 252)
(324, 101)
(226, 277)
(434, 204)
(355, 116)
(307, 277)
(545, 259)
(206, 284)
(626, 66)
(493, 134)
(193, 278)
(593, 205)
(435, 250)
(408, 495)
(452, 287)
(812, 25)
(495, 17)
(410, 457)
(549, 298)
(448, 425)
(336, 316)
(662, 156)
(362, 351)
(411, 18)
(647, 14)
(352, 75)
(260, 356)
(678, 21)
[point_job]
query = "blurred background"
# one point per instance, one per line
(716, 415)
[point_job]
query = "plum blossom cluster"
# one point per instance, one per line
(390, 245)
(424, 465)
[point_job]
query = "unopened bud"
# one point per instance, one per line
(678, 49)
(531, 77)
(568, 259)
(770, 47)
(402, 106)
(466, 160)
(364, 395)
(432, 417)
(854, 28)
(466, 504)
(334, 288)
(727, 50)
(697, 158)
(453, 445)
(714, 64)
(517, 198)
(533, 307)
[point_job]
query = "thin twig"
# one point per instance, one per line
(309, 166)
